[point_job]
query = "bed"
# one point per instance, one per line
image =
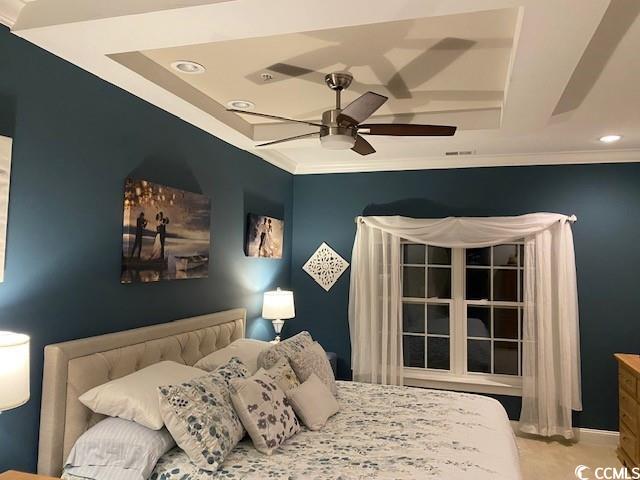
(380, 432)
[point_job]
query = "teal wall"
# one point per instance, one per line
(606, 199)
(76, 138)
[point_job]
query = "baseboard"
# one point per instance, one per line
(591, 436)
(598, 437)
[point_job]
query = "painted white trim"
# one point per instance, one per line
(472, 161)
(7, 20)
(9, 11)
(491, 384)
(592, 436)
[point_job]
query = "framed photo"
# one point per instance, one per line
(165, 233)
(5, 177)
(265, 236)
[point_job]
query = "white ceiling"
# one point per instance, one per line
(527, 81)
(422, 65)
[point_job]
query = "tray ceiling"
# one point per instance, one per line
(526, 81)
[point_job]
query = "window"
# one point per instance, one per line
(462, 317)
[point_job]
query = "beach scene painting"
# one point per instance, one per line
(165, 233)
(264, 236)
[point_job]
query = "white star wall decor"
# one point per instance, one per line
(325, 266)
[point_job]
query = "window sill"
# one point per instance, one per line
(473, 383)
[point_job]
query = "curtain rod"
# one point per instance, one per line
(571, 218)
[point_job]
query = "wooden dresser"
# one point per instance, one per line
(629, 402)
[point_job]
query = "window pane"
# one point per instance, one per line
(413, 282)
(413, 317)
(438, 319)
(505, 256)
(438, 353)
(478, 321)
(505, 285)
(521, 248)
(414, 253)
(505, 323)
(479, 256)
(439, 283)
(521, 273)
(505, 358)
(479, 356)
(439, 256)
(477, 284)
(413, 351)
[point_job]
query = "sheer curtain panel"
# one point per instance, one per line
(551, 352)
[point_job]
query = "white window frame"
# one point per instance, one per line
(458, 378)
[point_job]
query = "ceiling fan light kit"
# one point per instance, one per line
(342, 129)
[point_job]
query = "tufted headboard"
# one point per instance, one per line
(72, 368)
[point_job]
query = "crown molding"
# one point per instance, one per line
(277, 159)
(9, 11)
(473, 161)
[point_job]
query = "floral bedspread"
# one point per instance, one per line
(381, 432)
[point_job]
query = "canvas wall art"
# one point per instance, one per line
(165, 233)
(5, 177)
(265, 236)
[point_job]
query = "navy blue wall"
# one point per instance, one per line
(76, 138)
(606, 199)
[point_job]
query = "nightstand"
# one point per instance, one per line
(13, 475)
(333, 360)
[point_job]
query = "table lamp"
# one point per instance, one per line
(14, 370)
(277, 306)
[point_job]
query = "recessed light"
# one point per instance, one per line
(187, 66)
(610, 138)
(240, 104)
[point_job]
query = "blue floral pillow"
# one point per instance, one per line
(200, 416)
(264, 410)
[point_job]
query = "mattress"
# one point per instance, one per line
(381, 432)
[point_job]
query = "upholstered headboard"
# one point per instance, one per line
(72, 368)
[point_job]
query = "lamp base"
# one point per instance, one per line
(277, 326)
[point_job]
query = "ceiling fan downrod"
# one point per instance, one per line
(338, 81)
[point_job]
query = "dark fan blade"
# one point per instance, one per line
(282, 140)
(362, 108)
(363, 147)
(407, 130)
(273, 117)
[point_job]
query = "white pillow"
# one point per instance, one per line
(246, 349)
(313, 402)
(135, 396)
(117, 449)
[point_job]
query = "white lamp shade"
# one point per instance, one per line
(14, 370)
(278, 305)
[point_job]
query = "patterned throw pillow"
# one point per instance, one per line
(286, 348)
(200, 416)
(283, 375)
(314, 360)
(264, 410)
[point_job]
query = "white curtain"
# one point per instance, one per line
(551, 353)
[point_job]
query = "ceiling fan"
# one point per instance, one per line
(342, 128)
